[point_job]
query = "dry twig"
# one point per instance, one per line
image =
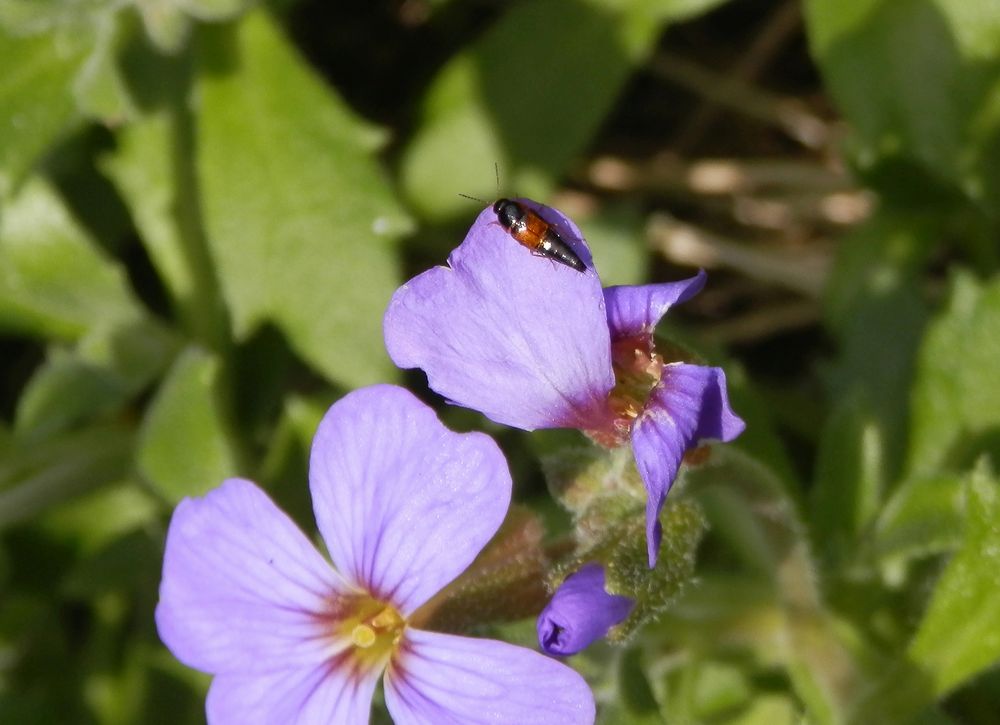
(803, 271)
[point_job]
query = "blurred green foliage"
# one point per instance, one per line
(200, 227)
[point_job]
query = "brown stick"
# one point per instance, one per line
(778, 29)
(803, 272)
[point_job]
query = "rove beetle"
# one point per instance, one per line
(533, 232)
(529, 230)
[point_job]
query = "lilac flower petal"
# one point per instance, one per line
(636, 310)
(441, 679)
(689, 405)
(403, 503)
(580, 612)
(304, 696)
(518, 337)
(242, 585)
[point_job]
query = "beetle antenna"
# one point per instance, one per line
(473, 198)
(496, 168)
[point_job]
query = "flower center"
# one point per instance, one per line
(373, 627)
(637, 368)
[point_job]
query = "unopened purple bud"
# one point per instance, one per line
(580, 612)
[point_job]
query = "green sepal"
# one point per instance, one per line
(505, 583)
(613, 533)
(580, 476)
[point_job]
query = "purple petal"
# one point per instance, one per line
(689, 405)
(317, 696)
(444, 679)
(520, 338)
(403, 503)
(580, 612)
(242, 586)
(636, 310)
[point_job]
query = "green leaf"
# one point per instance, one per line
(36, 105)
(96, 519)
(850, 477)
(39, 476)
(528, 95)
(103, 371)
(170, 694)
(925, 516)
(34, 636)
(138, 351)
(167, 25)
(614, 236)
(958, 636)
(633, 684)
(956, 397)
(767, 533)
(54, 282)
(299, 217)
(768, 710)
(168, 22)
(213, 9)
(932, 65)
(35, 17)
(153, 170)
(184, 445)
(874, 295)
(676, 10)
(733, 489)
(285, 469)
(143, 171)
(91, 32)
(761, 439)
(878, 261)
(65, 390)
(126, 563)
(100, 88)
(718, 688)
(612, 713)
(701, 691)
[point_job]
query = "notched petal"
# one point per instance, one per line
(521, 338)
(403, 503)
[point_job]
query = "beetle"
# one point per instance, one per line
(529, 230)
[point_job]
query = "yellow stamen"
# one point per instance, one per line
(363, 636)
(374, 628)
(388, 618)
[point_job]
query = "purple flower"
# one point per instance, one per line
(534, 344)
(403, 505)
(580, 612)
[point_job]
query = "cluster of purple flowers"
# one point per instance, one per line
(404, 505)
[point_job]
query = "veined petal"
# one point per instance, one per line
(403, 503)
(580, 612)
(303, 696)
(689, 405)
(634, 310)
(521, 338)
(441, 679)
(242, 587)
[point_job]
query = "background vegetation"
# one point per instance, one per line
(205, 206)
